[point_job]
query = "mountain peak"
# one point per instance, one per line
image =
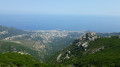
(85, 39)
(90, 36)
(79, 47)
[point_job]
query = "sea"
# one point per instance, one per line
(62, 22)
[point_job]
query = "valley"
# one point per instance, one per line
(58, 48)
(45, 43)
(59, 33)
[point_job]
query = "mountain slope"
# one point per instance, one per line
(9, 31)
(15, 47)
(98, 52)
(20, 60)
(45, 43)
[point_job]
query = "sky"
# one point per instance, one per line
(61, 7)
(92, 15)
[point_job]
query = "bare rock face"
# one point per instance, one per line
(84, 40)
(91, 36)
(119, 36)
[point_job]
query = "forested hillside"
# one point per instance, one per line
(101, 52)
(20, 60)
(15, 47)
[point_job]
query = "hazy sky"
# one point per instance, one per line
(74, 7)
(93, 15)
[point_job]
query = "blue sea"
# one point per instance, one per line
(62, 22)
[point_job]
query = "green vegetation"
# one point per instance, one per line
(39, 44)
(20, 60)
(15, 47)
(109, 56)
(102, 52)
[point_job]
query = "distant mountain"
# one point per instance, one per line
(109, 34)
(90, 50)
(10, 31)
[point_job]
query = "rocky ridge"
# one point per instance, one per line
(81, 44)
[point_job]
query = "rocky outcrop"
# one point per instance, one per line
(81, 43)
(84, 40)
(91, 36)
(58, 57)
(3, 32)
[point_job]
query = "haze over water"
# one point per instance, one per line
(63, 22)
(74, 15)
